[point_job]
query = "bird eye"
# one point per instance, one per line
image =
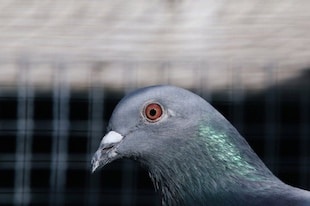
(153, 112)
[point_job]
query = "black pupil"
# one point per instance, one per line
(153, 112)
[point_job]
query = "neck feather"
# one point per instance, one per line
(209, 167)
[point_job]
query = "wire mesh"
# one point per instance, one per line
(50, 128)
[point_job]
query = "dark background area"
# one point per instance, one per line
(47, 139)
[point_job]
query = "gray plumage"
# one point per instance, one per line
(193, 154)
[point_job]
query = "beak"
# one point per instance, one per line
(106, 152)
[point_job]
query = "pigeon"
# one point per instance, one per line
(194, 156)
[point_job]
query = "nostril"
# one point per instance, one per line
(107, 147)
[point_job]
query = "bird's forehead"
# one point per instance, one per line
(129, 109)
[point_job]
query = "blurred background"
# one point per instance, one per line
(64, 65)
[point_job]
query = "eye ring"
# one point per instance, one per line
(153, 112)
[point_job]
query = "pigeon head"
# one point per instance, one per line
(193, 154)
(148, 123)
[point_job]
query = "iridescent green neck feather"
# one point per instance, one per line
(225, 152)
(208, 167)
